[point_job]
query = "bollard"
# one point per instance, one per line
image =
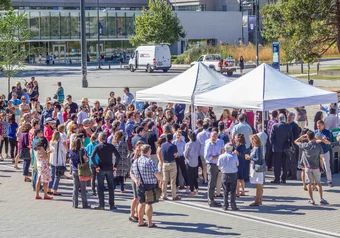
(287, 69)
(317, 67)
(109, 65)
(302, 67)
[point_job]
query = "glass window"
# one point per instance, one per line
(34, 25)
(75, 25)
(45, 25)
(92, 21)
(65, 22)
(103, 23)
(55, 25)
(121, 25)
(111, 24)
(130, 23)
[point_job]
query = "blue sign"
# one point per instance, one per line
(251, 23)
(276, 55)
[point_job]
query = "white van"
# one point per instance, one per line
(150, 58)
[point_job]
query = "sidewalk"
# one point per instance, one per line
(285, 213)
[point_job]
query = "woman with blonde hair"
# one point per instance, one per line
(256, 158)
(123, 164)
(57, 159)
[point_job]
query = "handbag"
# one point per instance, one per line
(55, 96)
(151, 195)
(25, 154)
(60, 170)
(84, 171)
(260, 167)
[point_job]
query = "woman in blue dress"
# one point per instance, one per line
(240, 151)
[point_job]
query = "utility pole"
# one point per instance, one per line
(98, 41)
(257, 30)
(83, 44)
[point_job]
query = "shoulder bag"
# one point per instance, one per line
(151, 195)
(261, 166)
(84, 171)
(60, 170)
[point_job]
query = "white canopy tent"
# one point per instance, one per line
(264, 89)
(184, 87)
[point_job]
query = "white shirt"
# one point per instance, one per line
(331, 122)
(82, 116)
(60, 117)
(263, 137)
(61, 154)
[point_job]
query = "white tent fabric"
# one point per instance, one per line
(264, 89)
(194, 81)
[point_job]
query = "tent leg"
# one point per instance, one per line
(193, 117)
(263, 117)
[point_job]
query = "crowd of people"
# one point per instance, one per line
(155, 147)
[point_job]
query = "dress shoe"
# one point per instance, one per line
(214, 204)
(275, 182)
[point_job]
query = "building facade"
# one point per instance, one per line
(55, 27)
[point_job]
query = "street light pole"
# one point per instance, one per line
(257, 30)
(83, 44)
(98, 41)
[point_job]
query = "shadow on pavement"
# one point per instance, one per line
(285, 209)
(201, 228)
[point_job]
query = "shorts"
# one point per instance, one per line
(134, 189)
(141, 192)
(313, 173)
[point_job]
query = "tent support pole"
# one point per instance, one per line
(263, 117)
(193, 116)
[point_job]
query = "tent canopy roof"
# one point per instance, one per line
(265, 88)
(194, 81)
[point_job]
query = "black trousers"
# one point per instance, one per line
(229, 182)
(192, 177)
(293, 163)
(4, 141)
(269, 155)
(280, 161)
(180, 162)
(13, 143)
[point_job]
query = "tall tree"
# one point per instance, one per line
(13, 34)
(6, 4)
(308, 28)
(157, 25)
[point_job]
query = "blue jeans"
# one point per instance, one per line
(119, 179)
(54, 183)
(26, 167)
(101, 176)
(34, 179)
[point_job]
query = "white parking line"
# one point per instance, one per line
(313, 231)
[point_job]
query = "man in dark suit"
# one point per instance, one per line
(293, 160)
(281, 137)
(179, 111)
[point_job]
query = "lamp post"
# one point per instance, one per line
(98, 41)
(83, 45)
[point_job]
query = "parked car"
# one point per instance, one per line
(150, 58)
(215, 61)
